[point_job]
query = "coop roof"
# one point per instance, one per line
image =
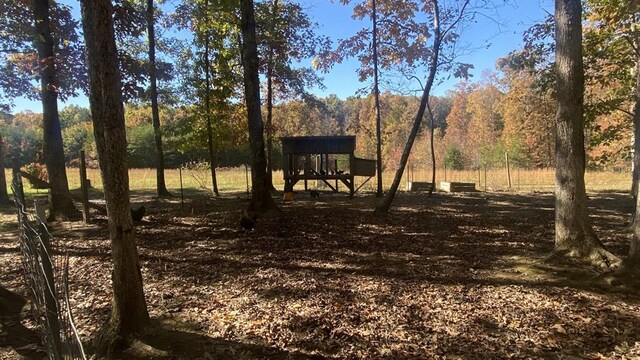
(318, 145)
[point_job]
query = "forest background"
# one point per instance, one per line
(510, 110)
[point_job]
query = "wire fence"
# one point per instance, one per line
(238, 179)
(46, 272)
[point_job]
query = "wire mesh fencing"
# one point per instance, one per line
(46, 272)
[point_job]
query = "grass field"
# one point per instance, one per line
(235, 179)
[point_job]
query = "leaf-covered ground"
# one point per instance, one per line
(453, 276)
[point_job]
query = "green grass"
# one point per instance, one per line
(235, 180)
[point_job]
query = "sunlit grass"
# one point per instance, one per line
(238, 179)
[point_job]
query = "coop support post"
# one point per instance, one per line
(307, 168)
(335, 170)
(84, 188)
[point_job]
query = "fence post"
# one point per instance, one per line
(18, 187)
(246, 175)
(181, 189)
(84, 188)
(485, 177)
(506, 162)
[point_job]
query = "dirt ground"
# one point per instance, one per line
(453, 276)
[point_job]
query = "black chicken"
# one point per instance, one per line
(248, 221)
(314, 194)
(137, 215)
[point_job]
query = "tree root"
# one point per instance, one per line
(597, 256)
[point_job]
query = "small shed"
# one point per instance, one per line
(315, 158)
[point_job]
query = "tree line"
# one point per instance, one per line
(475, 124)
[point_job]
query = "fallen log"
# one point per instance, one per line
(35, 180)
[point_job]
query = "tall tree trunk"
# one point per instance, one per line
(376, 96)
(636, 139)
(161, 186)
(207, 106)
(633, 260)
(574, 233)
(261, 199)
(432, 122)
(384, 205)
(4, 196)
(274, 13)
(129, 314)
(61, 206)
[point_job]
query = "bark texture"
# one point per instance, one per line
(61, 206)
(161, 187)
(633, 260)
(129, 314)
(261, 199)
(574, 235)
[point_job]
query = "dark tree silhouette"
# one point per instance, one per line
(261, 199)
(129, 314)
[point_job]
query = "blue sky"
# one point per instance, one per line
(494, 34)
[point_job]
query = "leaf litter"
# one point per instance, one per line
(453, 276)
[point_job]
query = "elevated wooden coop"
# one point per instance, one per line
(329, 159)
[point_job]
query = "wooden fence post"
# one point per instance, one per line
(506, 162)
(84, 188)
(485, 177)
(18, 187)
(181, 189)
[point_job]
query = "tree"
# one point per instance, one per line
(261, 199)
(207, 98)
(376, 95)
(4, 197)
(526, 108)
(161, 186)
(285, 35)
(574, 234)
(486, 125)
(438, 35)
(61, 205)
(77, 133)
(369, 60)
(23, 137)
(129, 314)
(458, 121)
(19, 68)
(211, 73)
(612, 53)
